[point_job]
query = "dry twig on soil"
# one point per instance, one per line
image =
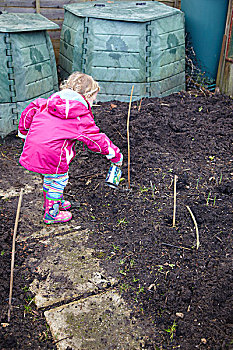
(195, 223)
(13, 252)
(174, 206)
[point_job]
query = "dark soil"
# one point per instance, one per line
(27, 328)
(182, 295)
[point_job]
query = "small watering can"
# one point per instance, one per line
(113, 177)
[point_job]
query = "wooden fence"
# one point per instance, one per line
(53, 10)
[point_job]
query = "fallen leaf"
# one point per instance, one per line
(4, 324)
(203, 340)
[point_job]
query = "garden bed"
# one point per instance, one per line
(182, 295)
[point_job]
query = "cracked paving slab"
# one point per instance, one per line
(68, 269)
(98, 322)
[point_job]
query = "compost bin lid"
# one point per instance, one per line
(24, 22)
(140, 11)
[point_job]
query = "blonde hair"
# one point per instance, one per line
(82, 83)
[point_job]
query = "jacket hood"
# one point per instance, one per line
(66, 108)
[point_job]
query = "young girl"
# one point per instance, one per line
(50, 128)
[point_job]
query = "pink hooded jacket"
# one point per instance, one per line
(52, 126)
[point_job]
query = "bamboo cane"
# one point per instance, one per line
(130, 101)
(195, 223)
(37, 6)
(13, 252)
(174, 205)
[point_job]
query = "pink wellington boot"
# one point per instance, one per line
(64, 205)
(53, 214)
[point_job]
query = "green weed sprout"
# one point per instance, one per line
(122, 221)
(143, 189)
(208, 198)
(198, 182)
(172, 330)
(214, 200)
(220, 180)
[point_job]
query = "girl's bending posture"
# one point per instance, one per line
(50, 128)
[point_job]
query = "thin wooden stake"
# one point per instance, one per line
(140, 105)
(37, 6)
(13, 252)
(130, 101)
(195, 223)
(174, 206)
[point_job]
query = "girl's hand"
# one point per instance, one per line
(119, 163)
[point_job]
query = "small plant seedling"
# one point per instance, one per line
(198, 182)
(143, 189)
(160, 269)
(124, 287)
(2, 252)
(172, 330)
(220, 180)
(135, 279)
(211, 158)
(131, 263)
(122, 272)
(25, 289)
(214, 200)
(208, 198)
(115, 247)
(30, 299)
(140, 290)
(153, 188)
(122, 221)
(27, 309)
(171, 265)
(200, 109)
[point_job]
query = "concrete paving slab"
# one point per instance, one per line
(95, 323)
(68, 269)
(47, 231)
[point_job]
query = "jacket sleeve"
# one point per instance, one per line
(28, 114)
(99, 142)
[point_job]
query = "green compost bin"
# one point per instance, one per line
(122, 44)
(28, 66)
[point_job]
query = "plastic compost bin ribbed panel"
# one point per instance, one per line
(123, 44)
(28, 67)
